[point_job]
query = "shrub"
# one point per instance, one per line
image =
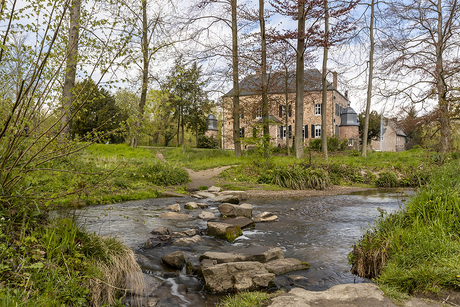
(387, 180)
(207, 142)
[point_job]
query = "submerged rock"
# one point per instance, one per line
(156, 242)
(265, 217)
(231, 210)
(176, 260)
(202, 205)
(236, 276)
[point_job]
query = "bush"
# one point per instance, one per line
(207, 142)
(333, 144)
(387, 180)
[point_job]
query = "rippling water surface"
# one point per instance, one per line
(319, 230)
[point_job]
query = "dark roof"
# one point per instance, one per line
(251, 85)
(397, 129)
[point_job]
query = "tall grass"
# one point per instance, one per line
(417, 248)
(58, 264)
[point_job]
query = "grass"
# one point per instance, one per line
(416, 249)
(248, 299)
(200, 159)
(103, 174)
(55, 263)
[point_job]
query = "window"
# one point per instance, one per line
(290, 131)
(317, 131)
(290, 110)
(242, 132)
(305, 132)
(337, 110)
(282, 132)
(317, 109)
(254, 132)
(350, 142)
(259, 113)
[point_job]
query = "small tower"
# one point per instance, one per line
(349, 127)
(212, 126)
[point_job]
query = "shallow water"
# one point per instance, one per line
(319, 230)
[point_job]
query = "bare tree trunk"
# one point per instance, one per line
(145, 72)
(236, 86)
(286, 99)
(444, 120)
(299, 80)
(369, 84)
(71, 68)
(266, 129)
(183, 137)
(324, 96)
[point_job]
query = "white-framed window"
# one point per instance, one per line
(350, 142)
(282, 132)
(317, 131)
(317, 108)
(258, 112)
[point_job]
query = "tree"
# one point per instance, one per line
(369, 83)
(162, 115)
(188, 98)
(71, 66)
(421, 56)
(300, 10)
(328, 38)
(100, 116)
(373, 131)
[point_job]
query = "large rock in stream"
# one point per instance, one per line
(258, 253)
(224, 231)
(236, 276)
(281, 266)
(176, 260)
(231, 210)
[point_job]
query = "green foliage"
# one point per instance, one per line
(53, 264)
(247, 299)
(374, 125)
(387, 180)
(99, 117)
(333, 144)
(199, 159)
(161, 173)
(416, 248)
(207, 142)
(299, 178)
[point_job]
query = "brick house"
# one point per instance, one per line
(281, 133)
(393, 137)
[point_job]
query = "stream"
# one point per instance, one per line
(318, 230)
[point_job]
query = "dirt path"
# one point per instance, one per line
(200, 178)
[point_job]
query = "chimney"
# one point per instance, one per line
(334, 79)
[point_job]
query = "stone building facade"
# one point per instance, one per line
(393, 137)
(282, 118)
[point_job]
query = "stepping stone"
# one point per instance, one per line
(281, 266)
(214, 189)
(258, 253)
(175, 208)
(161, 231)
(188, 241)
(176, 260)
(231, 210)
(191, 206)
(205, 215)
(243, 222)
(224, 231)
